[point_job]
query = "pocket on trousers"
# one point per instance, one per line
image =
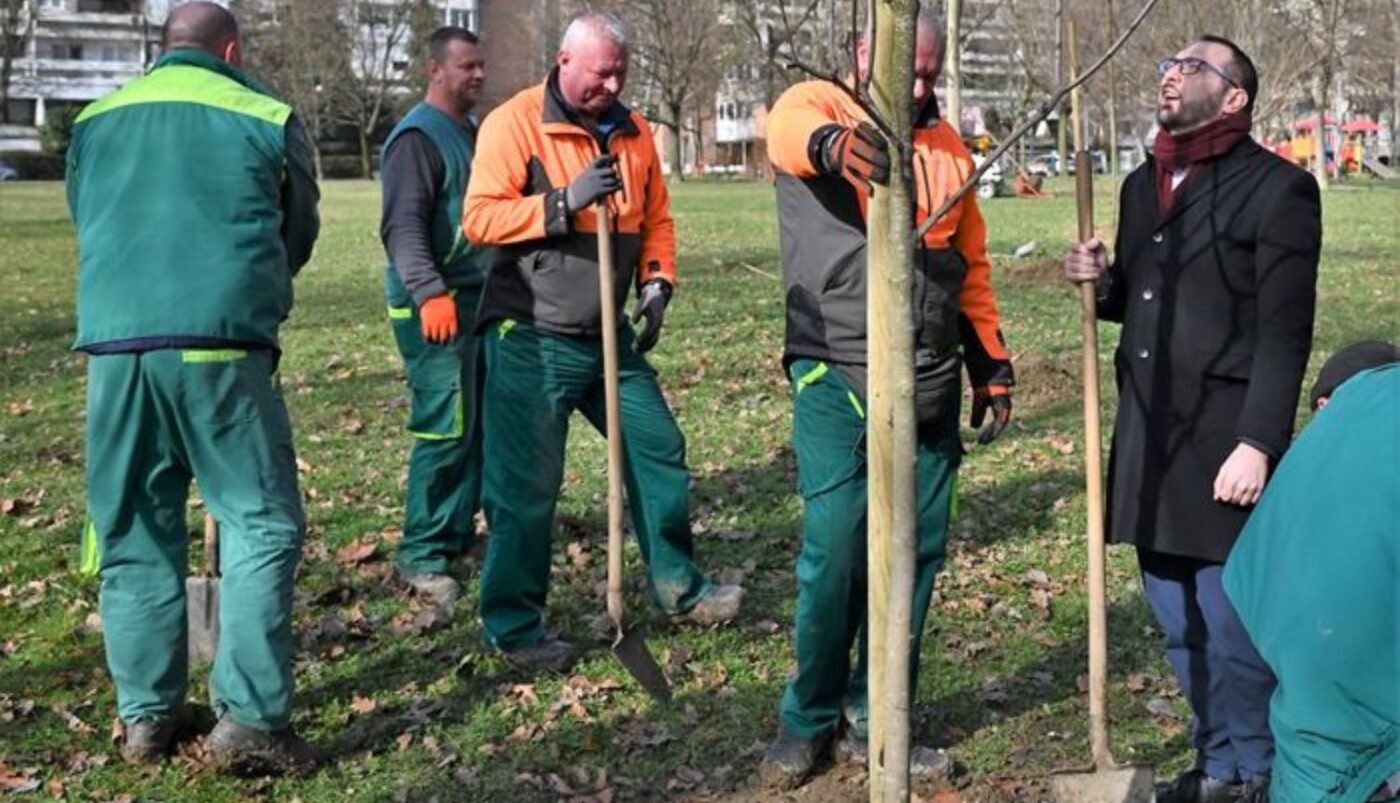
(436, 413)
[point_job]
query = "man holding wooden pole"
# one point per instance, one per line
(1214, 283)
(827, 153)
(546, 158)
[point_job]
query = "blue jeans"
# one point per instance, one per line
(1220, 673)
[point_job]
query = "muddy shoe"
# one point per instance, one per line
(551, 655)
(789, 760)
(719, 605)
(148, 740)
(435, 587)
(925, 763)
(243, 750)
(1194, 786)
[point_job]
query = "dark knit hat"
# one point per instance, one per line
(1349, 362)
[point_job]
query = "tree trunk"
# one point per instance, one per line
(1112, 99)
(673, 142)
(952, 70)
(892, 432)
(1320, 124)
(1061, 124)
(366, 161)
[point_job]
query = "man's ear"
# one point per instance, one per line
(233, 53)
(1236, 100)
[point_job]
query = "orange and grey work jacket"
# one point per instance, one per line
(821, 220)
(546, 268)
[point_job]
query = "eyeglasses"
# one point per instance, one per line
(1190, 66)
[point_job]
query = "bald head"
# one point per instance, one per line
(204, 26)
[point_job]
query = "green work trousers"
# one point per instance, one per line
(534, 382)
(444, 464)
(156, 420)
(829, 439)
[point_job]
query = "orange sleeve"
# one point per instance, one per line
(795, 117)
(658, 228)
(496, 212)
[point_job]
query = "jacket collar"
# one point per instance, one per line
(1205, 178)
(559, 118)
(193, 57)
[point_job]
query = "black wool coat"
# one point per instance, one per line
(1216, 299)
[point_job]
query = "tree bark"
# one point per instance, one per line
(1112, 98)
(673, 142)
(892, 432)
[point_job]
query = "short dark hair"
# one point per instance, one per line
(1241, 68)
(439, 39)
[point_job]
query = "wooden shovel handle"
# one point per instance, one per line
(614, 414)
(211, 546)
(1093, 445)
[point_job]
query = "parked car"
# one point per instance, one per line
(8, 171)
(1048, 164)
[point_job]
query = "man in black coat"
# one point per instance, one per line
(1214, 283)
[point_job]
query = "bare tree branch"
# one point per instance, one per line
(1048, 106)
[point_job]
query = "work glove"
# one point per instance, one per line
(859, 154)
(439, 317)
(996, 398)
(651, 305)
(596, 182)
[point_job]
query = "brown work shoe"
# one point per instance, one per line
(719, 605)
(789, 760)
(243, 750)
(147, 740)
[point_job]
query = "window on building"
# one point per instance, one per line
(66, 51)
(115, 52)
(50, 3)
(21, 111)
(462, 18)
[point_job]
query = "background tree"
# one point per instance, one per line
(16, 26)
(675, 47)
(301, 48)
(379, 35)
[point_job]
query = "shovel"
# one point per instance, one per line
(1108, 781)
(202, 598)
(629, 646)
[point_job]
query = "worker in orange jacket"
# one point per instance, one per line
(545, 159)
(826, 153)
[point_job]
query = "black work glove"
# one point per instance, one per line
(651, 305)
(1000, 404)
(596, 182)
(861, 155)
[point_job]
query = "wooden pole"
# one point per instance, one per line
(891, 426)
(1093, 446)
(613, 413)
(1061, 148)
(952, 66)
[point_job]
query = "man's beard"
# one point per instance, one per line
(1191, 113)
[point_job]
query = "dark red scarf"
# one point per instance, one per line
(1175, 152)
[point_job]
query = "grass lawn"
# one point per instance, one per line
(413, 708)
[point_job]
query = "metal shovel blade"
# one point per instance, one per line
(1129, 784)
(631, 650)
(202, 605)
(202, 599)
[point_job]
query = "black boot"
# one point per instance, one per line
(789, 760)
(148, 739)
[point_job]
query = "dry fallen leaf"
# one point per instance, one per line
(363, 705)
(1161, 707)
(356, 552)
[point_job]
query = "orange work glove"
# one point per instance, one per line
(439, 316)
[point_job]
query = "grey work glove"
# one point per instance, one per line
(596, 182)
(651, 305)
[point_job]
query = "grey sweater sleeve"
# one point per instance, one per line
(413, 171)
